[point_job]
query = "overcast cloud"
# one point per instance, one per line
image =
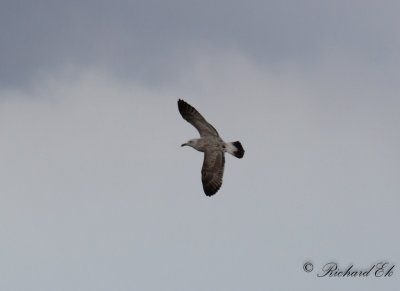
(97, 194)
(154, 40)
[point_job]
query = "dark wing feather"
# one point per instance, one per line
(212, 171)
(191, 115)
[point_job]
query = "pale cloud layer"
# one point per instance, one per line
(97, 194)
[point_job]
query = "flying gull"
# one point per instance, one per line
(211, 145)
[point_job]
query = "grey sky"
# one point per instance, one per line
(97, 194)
(153, 40)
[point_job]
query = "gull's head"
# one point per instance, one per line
(190, 143)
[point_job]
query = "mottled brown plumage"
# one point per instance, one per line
(212, 145)
(191, 115)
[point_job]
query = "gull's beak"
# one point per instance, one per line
(184, 144)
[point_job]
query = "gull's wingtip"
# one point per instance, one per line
(184, 106)
(181, 102)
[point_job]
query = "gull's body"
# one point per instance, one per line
(212, 145)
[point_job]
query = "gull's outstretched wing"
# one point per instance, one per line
(212, 171)
(191, 115)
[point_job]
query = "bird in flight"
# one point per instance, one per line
(213, 147)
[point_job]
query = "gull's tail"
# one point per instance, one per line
(235, 148)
